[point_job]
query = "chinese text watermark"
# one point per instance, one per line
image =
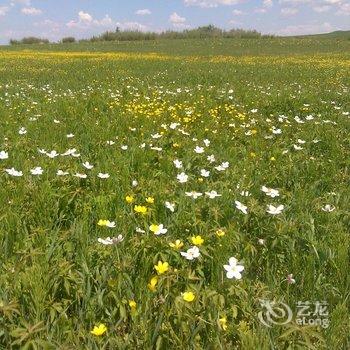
(308, 313)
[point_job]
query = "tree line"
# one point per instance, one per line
(203, 32)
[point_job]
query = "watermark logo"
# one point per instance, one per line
(312, 313)
(308, 313)
(274, 313)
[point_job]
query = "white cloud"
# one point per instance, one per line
(235, 23)
(303, 29)
(132, 26)
(260, 10)
(87, 23)
(314, 3)
(143, 12)
(211, 3)
(84, 16)
(338, 7)
(295, 2)
(267, 3)
(45, 22)
(176, 19)
(344, 9)
(50, 26)
(334, 2)
(72, 24)
(237, 12)
(289, 11)
(106, 21)
(4, 10)
(13, 34)
(85, 20)
(31, 11)
(322, 8)
(20, 2)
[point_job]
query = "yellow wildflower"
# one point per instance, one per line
(154, 228)
(140, 209)
(161, 267)
(132, 304)
(197, 240)
(129, 199)
(152, 283)
(176, 245)
(188, 296)
(102, 222)
(223, 323)
(99, 330)
(150, 200)
(158, 229)
(220, 233)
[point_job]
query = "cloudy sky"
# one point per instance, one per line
(54, 19)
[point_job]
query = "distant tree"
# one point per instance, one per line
(68, 39)
(203, 32)
(29, 40)
(34, 40)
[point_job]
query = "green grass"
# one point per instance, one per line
(58, 281)
(207, 47)
(338, 34)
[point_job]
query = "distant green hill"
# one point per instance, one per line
(338, 34)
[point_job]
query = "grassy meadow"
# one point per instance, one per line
(131, 173)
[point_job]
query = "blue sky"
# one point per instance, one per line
(54, 19)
